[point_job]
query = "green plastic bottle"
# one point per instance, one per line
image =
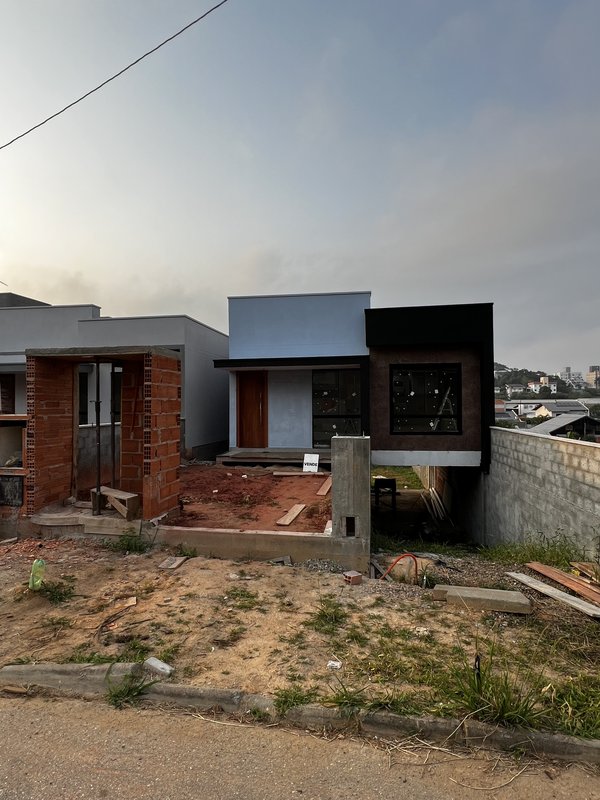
(37, 574)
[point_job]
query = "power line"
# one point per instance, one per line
(116, 75)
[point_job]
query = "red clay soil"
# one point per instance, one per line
(249, 498)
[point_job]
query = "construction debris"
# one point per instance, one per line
(325, 487)
(172, 562)
(353, 577)
(556, 594)
(158, 667)
(477, 599)
(578, 585)
(291, 515)
(284, 561)
(589, 568)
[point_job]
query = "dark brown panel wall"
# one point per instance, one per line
(380, 360)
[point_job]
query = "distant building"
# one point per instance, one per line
(592, 377)
(514, 388)
(572, 378)
(544, 381)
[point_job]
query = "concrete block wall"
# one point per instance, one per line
(161, 434)
(536, 483)
(50, 432)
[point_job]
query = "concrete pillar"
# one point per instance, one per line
(351, 487)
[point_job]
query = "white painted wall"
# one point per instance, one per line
(232, 409)
(290, 408)
(40, 326)
(291, 326)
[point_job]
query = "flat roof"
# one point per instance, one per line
(101, 353)
(293, 294)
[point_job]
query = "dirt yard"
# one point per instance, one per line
(250, 498)
(262, 628)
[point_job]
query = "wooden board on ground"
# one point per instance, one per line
(556, 594)
(298, 474)
(324, 487)
(291, 515)
(172, 562)
(572, 582)
(589, 568)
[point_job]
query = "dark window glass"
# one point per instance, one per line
(83, 398)
(116, 394)
(7, 394)
(336, 405)
(425, 398)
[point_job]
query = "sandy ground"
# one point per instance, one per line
(250, 498)
(243, 625)
(68, 749)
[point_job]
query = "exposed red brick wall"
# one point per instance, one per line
(132, 427)
(161, 435)
(49, 442)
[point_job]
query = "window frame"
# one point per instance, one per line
(355, 418)
(425, 367)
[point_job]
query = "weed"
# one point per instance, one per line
(58, 591)
(82, 655)
(169, 653)
(135, 650)
(243, 599)
(258, 714)
(349, 700)
(130, 541)
(128, 691)
(329, 616)
(57, 623)
(397, 702)
(293, 696)
(557, 550)
(494, 695)
(297, 640)
(378, 602)
(185, 551)
(357, 636)
(574, 705)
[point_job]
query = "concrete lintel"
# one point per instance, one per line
(426, 458)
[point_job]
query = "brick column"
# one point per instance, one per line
(49, 438)
(162, 411)
(132, 427)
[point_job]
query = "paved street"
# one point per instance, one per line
(68, 749)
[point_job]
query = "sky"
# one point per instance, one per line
(431, 151)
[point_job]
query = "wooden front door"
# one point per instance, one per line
(252, 409)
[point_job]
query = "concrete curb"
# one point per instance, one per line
(90, 680)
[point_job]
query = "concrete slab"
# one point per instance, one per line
(478, 599)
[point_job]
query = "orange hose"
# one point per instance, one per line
(393, 564)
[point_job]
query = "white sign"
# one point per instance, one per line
(311, 462)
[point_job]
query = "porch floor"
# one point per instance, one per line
(272, 455)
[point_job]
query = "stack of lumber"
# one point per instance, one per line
(582, 586)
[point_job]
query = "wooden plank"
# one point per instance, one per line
(291, 515)
(108, 491)
(172, 562)
(589, 568)
(324, 487)
(298, 474)
(571, 582)
(556, 594)
(123, 510)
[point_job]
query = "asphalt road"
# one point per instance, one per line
(66, 749)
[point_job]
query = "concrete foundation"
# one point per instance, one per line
(351, 488)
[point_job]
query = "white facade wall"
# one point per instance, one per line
(290, 408)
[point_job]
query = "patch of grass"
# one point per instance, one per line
(357, 636)
(130, 541)
(557, 550)
(574, 705)
(186, 551)
(348, 699)
(258, 715)
(128, 691)
(83, 655)
(169, 653)
(243, 599)
(297, 640)
(292, 696)
(58, 591)
(57, 623)
(406, 477)
(396, 702)
(329, 616)
(135, 650)
(493, 694)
